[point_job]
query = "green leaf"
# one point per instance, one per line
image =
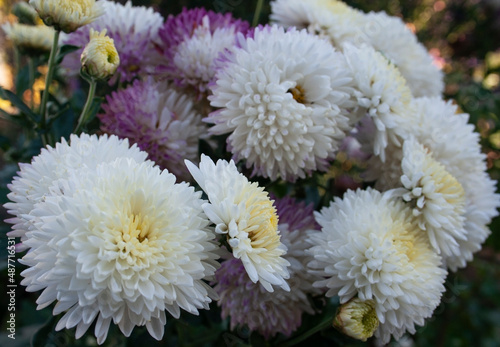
(17, 102)
(65, 50)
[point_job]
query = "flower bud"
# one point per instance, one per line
(29, 39)
(67, 15)
(25, 13)
(99, 58)
(357, 319)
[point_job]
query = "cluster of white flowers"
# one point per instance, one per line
(111, 237)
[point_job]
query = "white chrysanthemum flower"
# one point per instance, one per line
(482, 205)
(371, 247)
(390, 36)
(382, 91)
(30, 39)
(244, 213)
(31, 185)
(331, 19)
(284, 98)
(123, 243)
(99, 58)
(67, 15)
(448, 134)
(386, 34)
(436, 197)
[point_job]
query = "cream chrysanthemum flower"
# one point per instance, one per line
(249, 304)
(30, 39)
(371, 247)
(436, 197)
(454, 144)
(67, 15)
(243, 212)
(99, 58)
(123, 243)
(382, 92)
(283, 98)
(31, 185)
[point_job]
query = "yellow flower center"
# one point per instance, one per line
(298, 94)
(263, 223)
(447, 185)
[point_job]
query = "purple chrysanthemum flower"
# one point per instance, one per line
(134, 30)
(249, 304)
(161, 120)
(191, 42)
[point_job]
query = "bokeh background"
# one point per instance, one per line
(464, 38)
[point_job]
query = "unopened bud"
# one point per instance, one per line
(99, 58)
(357, 319)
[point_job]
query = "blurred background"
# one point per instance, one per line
(464, 38)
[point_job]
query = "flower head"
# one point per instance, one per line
(30, 39)
(161, 120)
(32, 183)
(392, 37)
(388, 35)
(371, 247)
(283, 98)
(122, 243)
(25, 13)
(331, 19)
(249, 304)
(382, 92)
(191, 42)
(99, 58)
(134, 30)
(243, 212)
(437, 198)
(357, 319)
(67, 15)
(453, 146)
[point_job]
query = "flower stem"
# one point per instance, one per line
(48, 81)
(88, 104)
(256, 15)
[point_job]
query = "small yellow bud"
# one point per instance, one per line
(357, 319)
(67, 15)
(29, 39)
(99, 58)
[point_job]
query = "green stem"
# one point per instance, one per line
(256, 15)
(88, 104)
(48, 81)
